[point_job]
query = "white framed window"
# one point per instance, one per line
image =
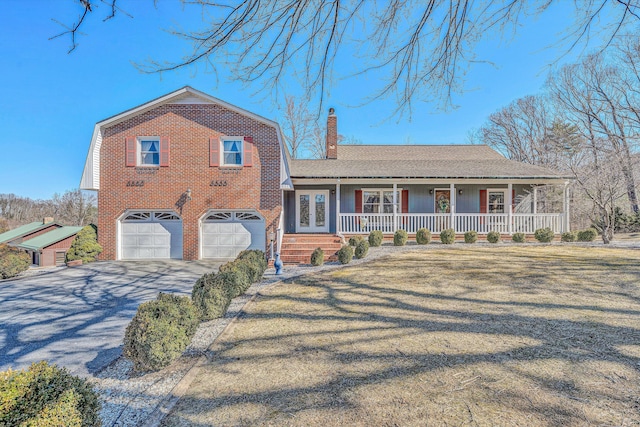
(232, 151)
(496, 199)
(380, 200)
(148, 151)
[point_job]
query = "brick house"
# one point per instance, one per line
(189, 176)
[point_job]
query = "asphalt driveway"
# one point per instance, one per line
(76, 317)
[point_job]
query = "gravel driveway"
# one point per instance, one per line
(76, 317)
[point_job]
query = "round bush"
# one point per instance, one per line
(375, 238)
(160, 331)
(493, 237)
(345, 254)
(400, 238)
(518, 238)
(211, 295)
(85, 246)
(470, 237)
(256, 257)
(588, 235)
(12, 261)
(45, 395)
(317, 257)
(448, 236)
(569, 236)
(362, 249)
(354, 240)
(543, 235)
(423, 236)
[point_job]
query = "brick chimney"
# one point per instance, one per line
(332, 135)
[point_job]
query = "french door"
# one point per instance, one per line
(312, 211)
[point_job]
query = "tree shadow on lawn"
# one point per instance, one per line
(357, 347)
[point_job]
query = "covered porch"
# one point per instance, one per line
(348, 207)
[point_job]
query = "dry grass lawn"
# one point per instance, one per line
(466, 335)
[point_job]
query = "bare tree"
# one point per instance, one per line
(74, 207)
(591, 95)
(318, 145)
(419, 50)
(298, 126)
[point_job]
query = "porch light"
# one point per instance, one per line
(431, 191)
(460, 192)
(188, 194)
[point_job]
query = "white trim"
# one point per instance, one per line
(498, 190)
(91, 174)
(380, 190)
(327, 211)
(139, 140)
(221, 141)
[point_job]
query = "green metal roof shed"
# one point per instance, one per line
(48, 239)
(21, 231)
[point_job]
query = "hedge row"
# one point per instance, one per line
(162, 329)
(12, 261)
(45, 395)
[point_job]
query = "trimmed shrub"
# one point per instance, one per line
(569, 236)
(85, 246)
(45, 395)
(160, 331)
(354, 240)
(12, 261)
(375, 238)
(423, 236)
(493, 237)
(588, 235)
(256, 257)
(211, 295)
(362, 249)
(470, 237)
(400, 238)
(345, 254)
(317, 257)
(448, 236)
(518, 238)
(543, 235)
(235, 280)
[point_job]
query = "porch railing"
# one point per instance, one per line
(356, 223)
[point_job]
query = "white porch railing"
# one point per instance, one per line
(356, 223)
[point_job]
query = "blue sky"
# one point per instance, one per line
(51, 100)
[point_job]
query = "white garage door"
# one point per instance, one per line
(226, 234)
(151, 235)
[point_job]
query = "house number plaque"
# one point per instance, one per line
(218, 183)
(135, 183)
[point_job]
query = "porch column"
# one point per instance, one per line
(338, 219)
(395, 207)
(566, 224)
(452, 205)
(510, 211)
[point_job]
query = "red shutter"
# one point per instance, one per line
(405, 201)
(513, 200)
(358, 201)
(164, 151)
(130, 151)
(248, 151)
(483, 201)
(214, 152)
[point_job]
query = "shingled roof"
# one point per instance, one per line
(419, 161)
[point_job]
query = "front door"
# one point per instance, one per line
(312, 211)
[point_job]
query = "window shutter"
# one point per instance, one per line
(405, 201)
(214, 152)
(483, 201)
(130, 151)
(164, 151)
(513, 200)
(248, 151)
(358, 201)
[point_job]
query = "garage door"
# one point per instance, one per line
(226, 234)
(151, 235)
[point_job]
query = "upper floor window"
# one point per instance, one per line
(149, 152)
(232, 152)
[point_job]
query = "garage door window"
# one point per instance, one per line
(138, 216)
